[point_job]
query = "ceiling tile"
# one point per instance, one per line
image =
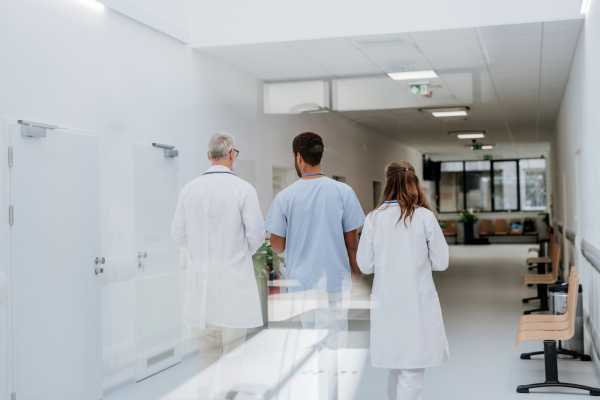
(321, 44)
(444, 35)
(511, 30)
(563, 26)
(467, 63)
(454, 55)
(512, 41)
(449, 45)
(250, 49)
(561, 37)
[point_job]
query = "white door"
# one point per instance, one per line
(158, 275)
(54, 189)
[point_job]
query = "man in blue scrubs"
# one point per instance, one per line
(315, 221)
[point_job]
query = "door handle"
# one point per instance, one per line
(99, 260)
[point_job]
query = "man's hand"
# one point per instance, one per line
(351, 241)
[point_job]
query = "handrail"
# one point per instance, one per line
(570, 235)
(591, 253)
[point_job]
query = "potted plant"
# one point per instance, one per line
(468, 219)
(545, 217)
(266, 263)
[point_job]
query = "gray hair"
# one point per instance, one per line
(219, 145)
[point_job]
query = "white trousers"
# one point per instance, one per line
(329, 313)
(217, 340)
(405, 384)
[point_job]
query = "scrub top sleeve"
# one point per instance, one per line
(436, 242)
(353, 216)
(365, 256)
(276, 221)
(178, 228)
(253, 221)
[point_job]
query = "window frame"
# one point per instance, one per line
(464, 188)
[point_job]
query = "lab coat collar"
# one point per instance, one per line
(215, 168)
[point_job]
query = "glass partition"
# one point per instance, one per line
(451, 196)
(505, 185)
(478, 185)
(533, 184)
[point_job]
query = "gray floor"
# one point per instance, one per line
(480, 295)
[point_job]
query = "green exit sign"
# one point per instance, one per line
(419, 89)
(487, 157)
(476, 146)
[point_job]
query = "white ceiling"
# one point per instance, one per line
(516, 75)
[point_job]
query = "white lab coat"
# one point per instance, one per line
(407, 330)
(218, 219)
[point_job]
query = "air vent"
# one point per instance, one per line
(160, 357)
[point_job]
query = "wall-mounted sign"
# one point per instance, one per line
(418, 89)
(487, 157)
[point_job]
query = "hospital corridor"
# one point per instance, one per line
(317, 200)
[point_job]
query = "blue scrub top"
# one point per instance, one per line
(313, 215)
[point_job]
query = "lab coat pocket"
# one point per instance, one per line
(237, 274)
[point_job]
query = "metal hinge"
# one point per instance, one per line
(10, 156)
(11, 215)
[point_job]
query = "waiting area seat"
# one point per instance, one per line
(501, 228)
(486, 228)
(450, 230)
(550, 329)
(542, 280)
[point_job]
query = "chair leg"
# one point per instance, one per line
(526, 300)
(543, 296)
(572, 353)
(551, 366)
(527, 356)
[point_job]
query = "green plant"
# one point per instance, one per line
(442, 223)
(546, 218)
(265, 260)
(467, 218)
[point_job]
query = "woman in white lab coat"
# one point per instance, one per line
(402, 243)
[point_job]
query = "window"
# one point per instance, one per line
(451, 197)
(505, 186)
(496, 185)
(533, 184)
(478, 185)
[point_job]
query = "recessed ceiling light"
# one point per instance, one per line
(439, 114)
(487, 147)
(404, 76)
(470, 136)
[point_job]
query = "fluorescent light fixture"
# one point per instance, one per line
(470, 136)
(487, 147)
(585, 6)
(439, 114)
(410, 75)
(93, 4)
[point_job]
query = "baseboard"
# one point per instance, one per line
(118, 380)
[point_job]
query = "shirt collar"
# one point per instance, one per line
(218, 168)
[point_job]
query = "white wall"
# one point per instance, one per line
(577, 128)
(231, 22)
(69, 64)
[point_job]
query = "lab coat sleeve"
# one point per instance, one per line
(365, 256)
(252, 219)
(178, 229)
(436, 242)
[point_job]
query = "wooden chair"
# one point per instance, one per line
(534, 232)
(501, 229)
(516, 221)
(486, 228)
(550, 337)
(542, 281)
(543, 260)
(451, 230)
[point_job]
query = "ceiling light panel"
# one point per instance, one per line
(442, 114)
(413, 75)
(470, 135)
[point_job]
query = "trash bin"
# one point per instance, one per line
(558, 306)
(543, 252)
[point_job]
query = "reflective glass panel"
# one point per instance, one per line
(505, 185)
(533, 184)
(451, 190)
(478, 185)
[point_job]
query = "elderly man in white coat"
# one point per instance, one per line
(218, 219)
